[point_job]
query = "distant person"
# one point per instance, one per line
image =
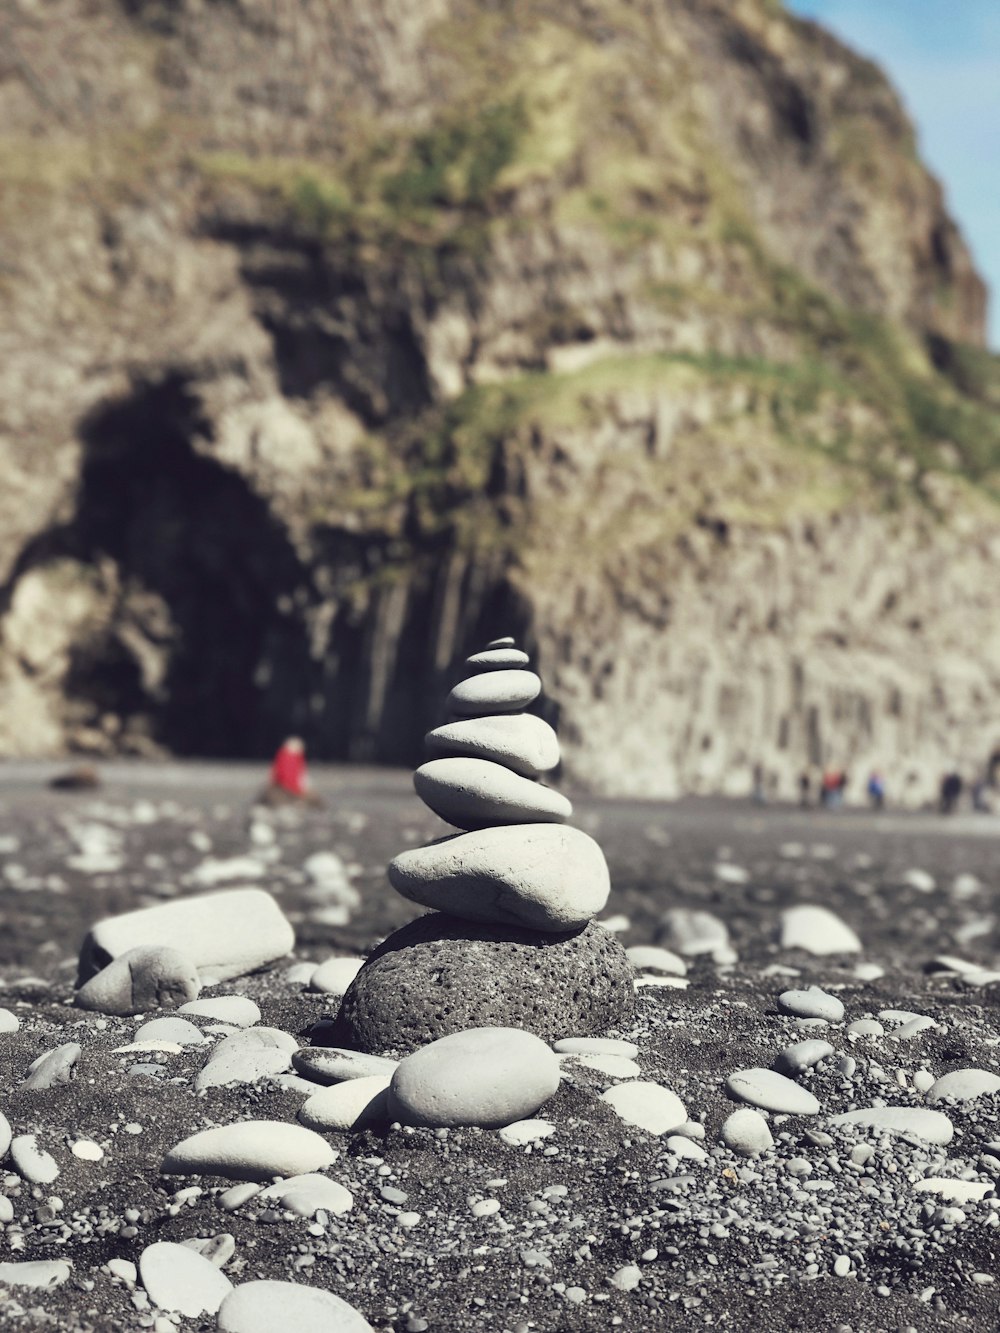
(876, 790)
(289, 779)
(759, 785)
(805, 789)
(993, 769)
(83, 778)
(951, 791)
(831, 789)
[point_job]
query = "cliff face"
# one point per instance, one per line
(337, 337)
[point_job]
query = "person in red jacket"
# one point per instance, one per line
(289, 779)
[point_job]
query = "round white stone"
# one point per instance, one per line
(177, 1031)
(818, 931)
(747, 1132)
(335, 975)
(235, 1009)
(519, 741)
(771, 1092)
(36, 1273)
(477, 793)
(9, 1021)
(482, 1076)
(811, 1003)
(306, 1195)
(526, 1131)
(6, 1134)
(263, 1307)
(649, 1106)
(350, 1105)
(965, 1085)
(31, 1162)
(955, 1191)
(87, 1150)
(504, 691)
(660, 962)
(803, 1055)
(693, 932)
(250, 1150)
(931, 1126)
(334, 1064)
(178, 1278)
(545, 876)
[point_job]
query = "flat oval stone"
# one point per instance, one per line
(488, 1076)
(501, 691)
(772, 1092)
(32, 1163)
(520, 1132)
(178, 1278)
(811, 1003)
(39, 1273)
(545, 876)
(9, 1021)
(333, 1064)
(931, 1126)
(955, 1191)
(262, 1307)
(179, 1031)
(646, 1105)
(520, 741)
(306, 1195)
(653, 958)
(235, 1009)
(335, 975)
(964, 1085)
(747, 1132)
(497, 659)
(476, 793)
(249, 1150)
(595, 1046)
(148, 977)
(869, 1028)
(803, 1055)
(440, 974)
(6, 1134)
(350, 1105)
(225, 934)
(817, 930)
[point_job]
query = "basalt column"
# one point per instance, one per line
(512, 941)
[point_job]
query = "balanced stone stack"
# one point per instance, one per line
(512, 941)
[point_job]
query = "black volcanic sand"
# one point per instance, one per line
(727, 1243)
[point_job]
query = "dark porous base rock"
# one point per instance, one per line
(441, 974)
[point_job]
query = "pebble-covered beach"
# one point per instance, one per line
(800, 1127)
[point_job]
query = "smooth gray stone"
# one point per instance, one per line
(965, 1085)
(654, 958)
(494, 692)
(747, 1132)
(483, 1076)
(177, 1277)
(6, 1134)
(647, 1105)
(32, 1163)
(771, 1092)
(692, 932)
(35, 1273)
(332, 1064)
(931, 1126)
(239, 1010)
(519, 741)
(803, 1055)
(866, 1027)
(249, 1150)
(349, 1105)
(248, 1065)
(180, 1031)
(148, 977)
(54, 1067)
(811, 1003)
(263, 1307)
(817, 930)
(477, 793)
(306, 1195)
(226, 934)
(498, 659)
(218, 1249)
(545, 876)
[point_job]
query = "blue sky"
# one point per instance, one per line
(944, 58)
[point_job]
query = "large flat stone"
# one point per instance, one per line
(477, 793)
(441, 974)
(225, 934)
(545, 876)
(519, 741)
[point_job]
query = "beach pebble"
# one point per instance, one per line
(349, 1105)
(545, 876)
(519, 1133)
(478, 793)
(811, 1003)
(6, 1134)
(250, 1150)
(144, 978)
(611, 1066)
(306, 1195)
(772, 1092)
(692, 932)
(494, 659)
(218, 1249)
(263, 1307)
(177, 1031)
(660, 962)
(913, 1028)
(803, 1055)
(747, 1132)
(816, 930)
(238, 1010)
(484, 1076)
(32, 1163)
(334, 1064)
(955, 1191)
(865, 1027)
(225, 934)
(9, 1021)
(964, 1085)
(686, 1148)
(237, 1195)
(335, 975)
(596, 1046)
(627, 1278)
(502, 691)
(920, 880)
(246, 1057)
(178, 1278)
(54, 1067)
(87, 1150)
(124, 1269)
(931, 1126)
(519, 741)
(646, 1105)
(869, 971)
(35, 1273)
(441, 974)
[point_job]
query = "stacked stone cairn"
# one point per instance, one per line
(511, 940)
